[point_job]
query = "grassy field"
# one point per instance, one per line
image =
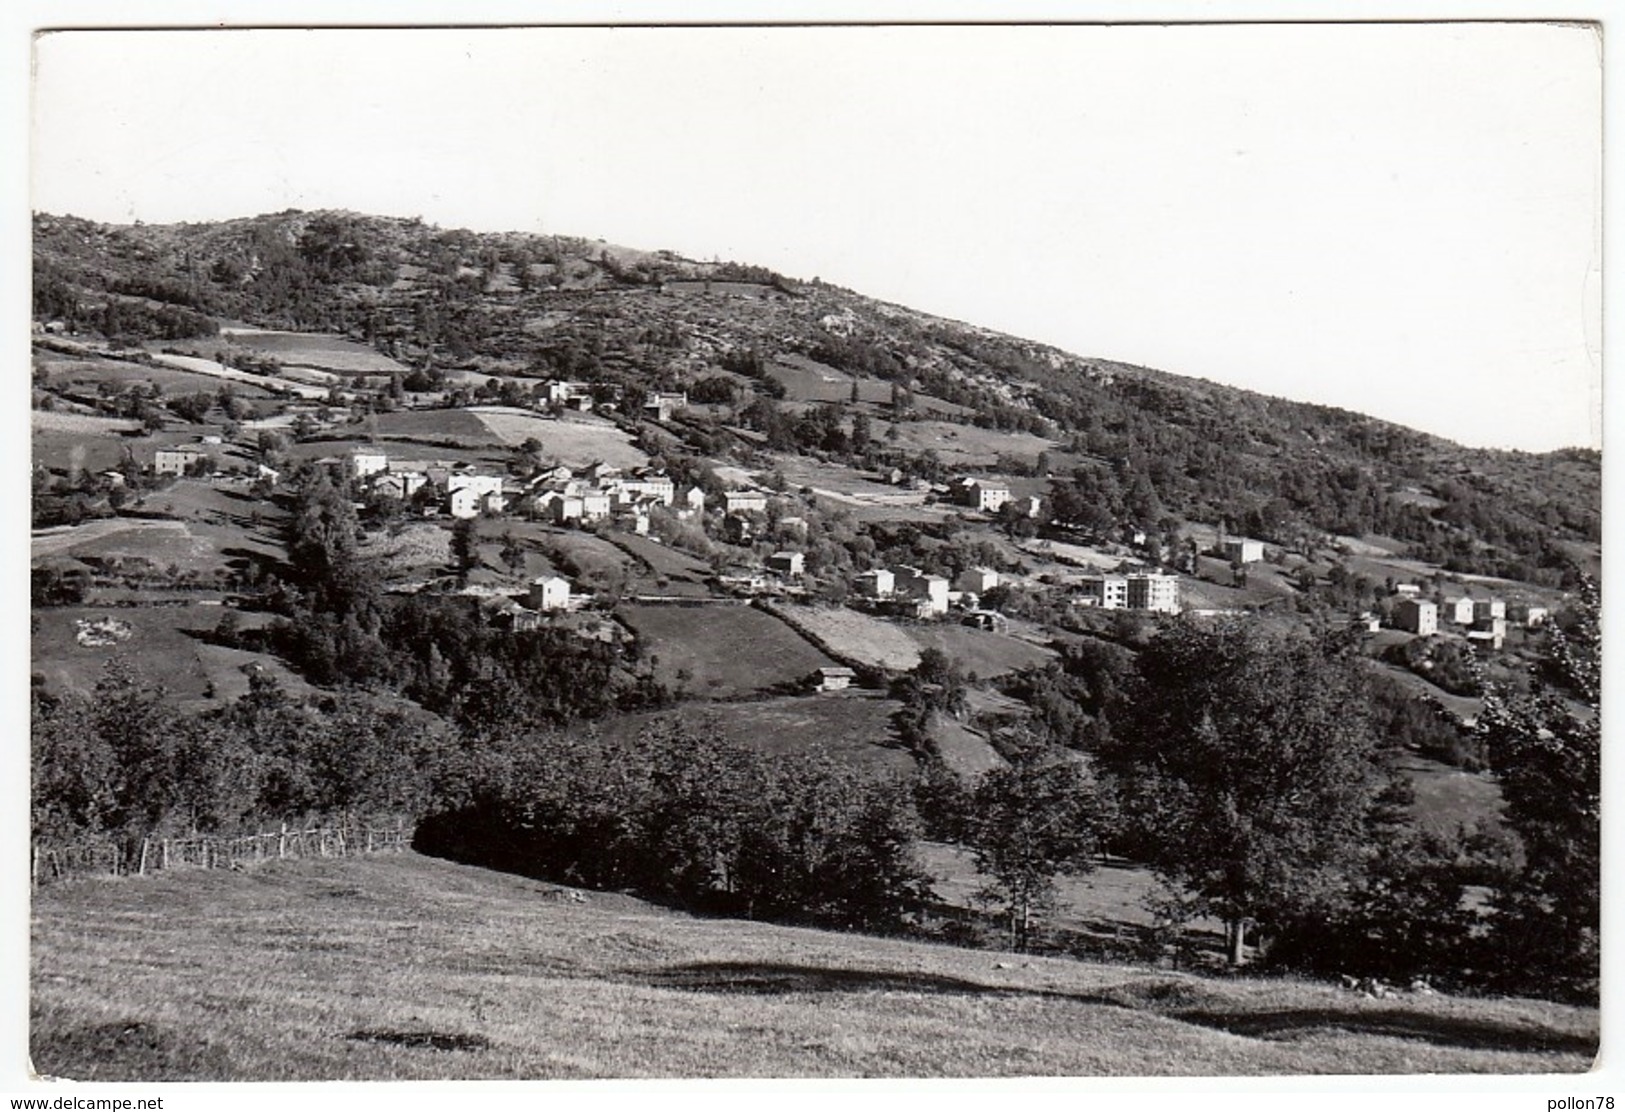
(400, 967)
(671, 571)
(807, 380)
(158, 647)
(90, 373)
(1448, 797)
(310, 349)
(574, 441)
(162, 543)
(980, 651)
(725, 650)
(963, 749)
(963, 445)
(856, 636)
(854, 726)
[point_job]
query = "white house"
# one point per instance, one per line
(1419, 615)
(660, 405)
(692, 501)
(1459, 611)
(400, 484)
(977, 580)
(1108, 592)
(745, 501)
(550, 592)
(368, 461)
(930, 591)
(1239, 550)
(1484, 608)
(472, 501)
(176, 461)
(988, 497)
(832, 679)
(787, 563)
(468, 480)
(879, 583)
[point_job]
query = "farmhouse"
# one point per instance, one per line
(549, 592)
(787, 563)
(738, 529)
(745, 501)
(930, 592)
(368, 461)
(1239, 550)
(832, 679)
(879, 583)
(1418, 615)
(570, 395)
(1535, 616)
(473, 501)
(1487, 608)
(645, 482)
(977, 580)
(484, 484)
(400, 484)
(1459, 611)
(692, 502)
(177, 460)
(659, 405)
(980, 494)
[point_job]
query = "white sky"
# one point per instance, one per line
(1399, 219)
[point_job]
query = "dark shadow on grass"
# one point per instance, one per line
(769, 979)
(1185, 1000)
(1440, 1030)
(131, 1050)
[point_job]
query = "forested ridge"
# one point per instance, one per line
(1139, 442)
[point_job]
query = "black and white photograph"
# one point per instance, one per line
(924, 550)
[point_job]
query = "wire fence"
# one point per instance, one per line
(52, 861)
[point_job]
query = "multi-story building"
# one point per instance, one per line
(1151, 591)
(879, 583)
(1154, 592)
(177, 460)
(1418, 615)
(929, 591)
(977, 581)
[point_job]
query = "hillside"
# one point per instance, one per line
(639, 573)
(403, 967)
(1141, 443)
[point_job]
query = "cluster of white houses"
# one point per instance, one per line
(561, 494)
(930, 595)
(1484, 620)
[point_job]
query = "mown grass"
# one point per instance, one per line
(402, 967)
(722, 651)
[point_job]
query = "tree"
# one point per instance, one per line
(513, 553)
(465, 547)
(1028, 823)
(1545, 749)
(1250, 768)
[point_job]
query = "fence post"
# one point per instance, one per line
(33, 864)
(164, 854)
(141, 869)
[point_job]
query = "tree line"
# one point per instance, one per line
(1241, 767)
